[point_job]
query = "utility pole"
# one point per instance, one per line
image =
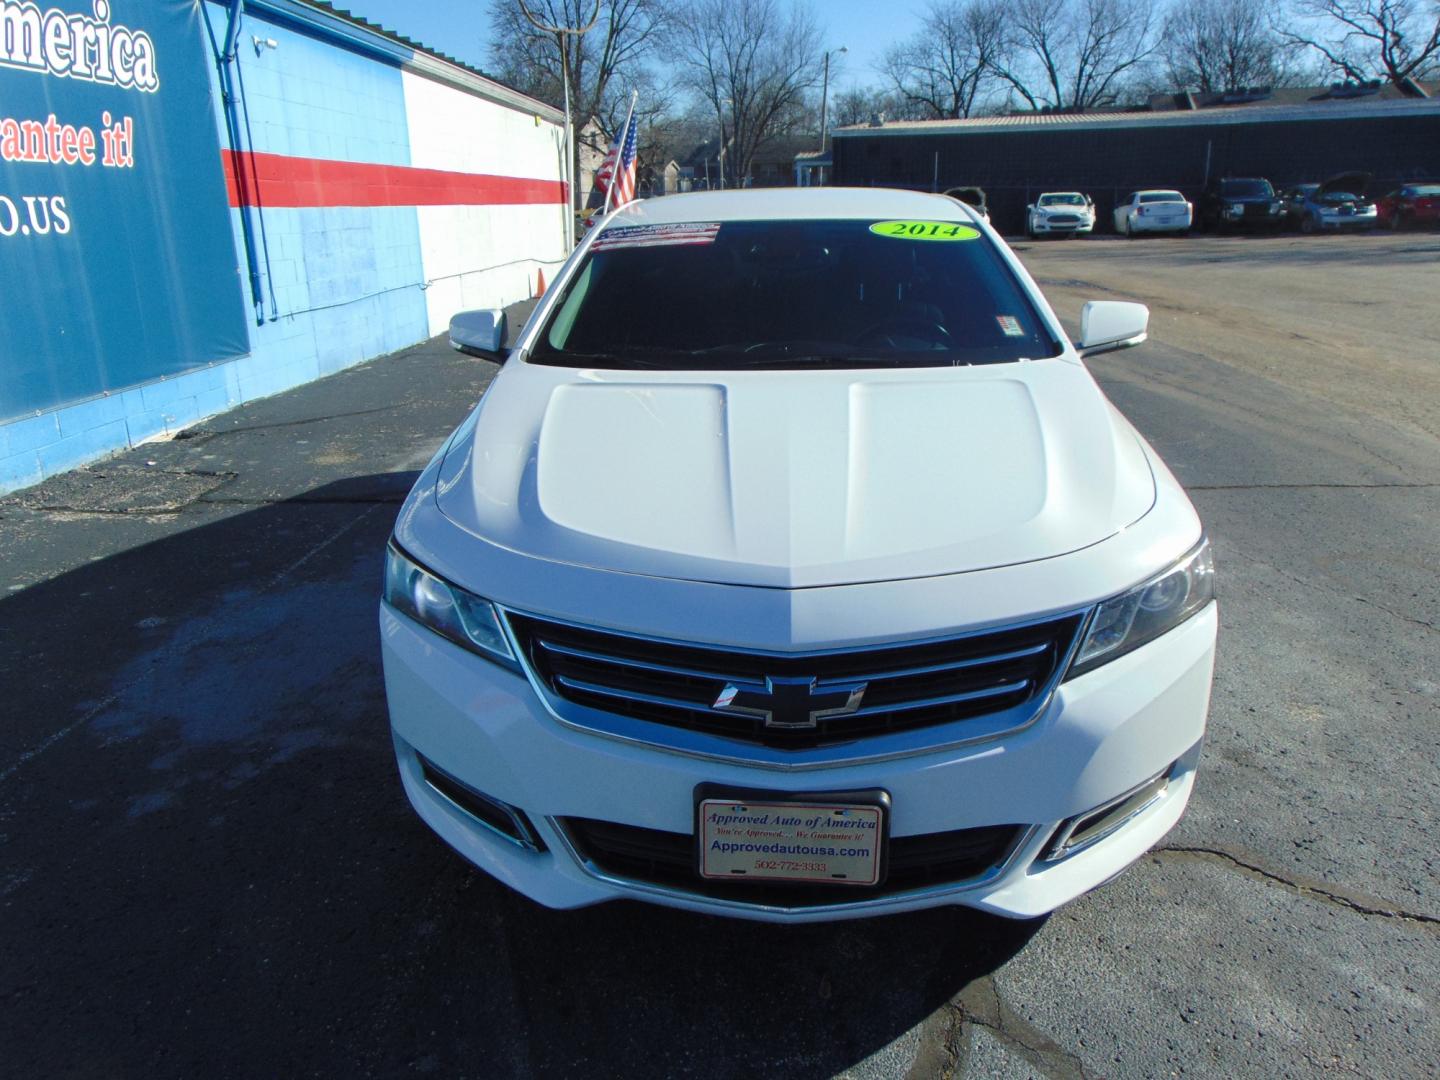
(720, 112)
(825, 95)
(560, 33)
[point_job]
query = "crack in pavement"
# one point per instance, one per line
(1300, 487)
(940, 1049)
(1330, 588)
(982, 1005)
(68, 513)
(208, 433)
(1313, 888)
(305, 500)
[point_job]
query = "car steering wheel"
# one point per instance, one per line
(915, 328)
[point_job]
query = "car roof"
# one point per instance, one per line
(783, 204)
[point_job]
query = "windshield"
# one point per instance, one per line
(1160, 196)
(1427, 189)
(1062, 200)
(1247, 188)
(792, 294)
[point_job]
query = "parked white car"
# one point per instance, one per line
(794, 567)
(1060, 213)
(1157, 210)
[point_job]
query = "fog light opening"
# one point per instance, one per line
(506, 821)
(1091, 827)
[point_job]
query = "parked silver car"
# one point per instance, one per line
(1338, 203)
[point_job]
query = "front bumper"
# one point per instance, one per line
(1100, 735)
(1042, 226)
(1349, 221)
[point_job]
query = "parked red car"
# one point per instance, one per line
(1413, 204)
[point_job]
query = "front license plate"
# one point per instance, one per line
(833, 843)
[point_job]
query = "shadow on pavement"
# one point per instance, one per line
(210, 869)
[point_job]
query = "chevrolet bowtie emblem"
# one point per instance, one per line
(792, 703)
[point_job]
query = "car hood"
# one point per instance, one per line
(795, 478)
(1354, 182)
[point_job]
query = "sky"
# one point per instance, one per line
(461, 29)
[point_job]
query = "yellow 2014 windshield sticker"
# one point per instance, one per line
(925, 230)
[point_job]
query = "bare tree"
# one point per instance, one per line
(752, 62)
(1075, 53)
(1220, 45)
(1391, 39)
(859, 104)
(602, 65)
(944, 68)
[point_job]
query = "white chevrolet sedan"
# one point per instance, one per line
(1160, 210)
(795, 568)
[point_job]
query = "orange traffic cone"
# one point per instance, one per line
(539, 283)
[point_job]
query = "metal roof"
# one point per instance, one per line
(1237, 114)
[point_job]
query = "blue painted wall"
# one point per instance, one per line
(343, 284)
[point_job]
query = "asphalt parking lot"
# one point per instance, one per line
(208, 868)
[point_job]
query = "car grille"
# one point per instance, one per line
(904, 686)
(1064, 219)
(668, 859)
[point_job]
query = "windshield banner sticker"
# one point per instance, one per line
(924, 230)
(1010, 325)
(632, 236)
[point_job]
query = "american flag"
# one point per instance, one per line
(619, 167)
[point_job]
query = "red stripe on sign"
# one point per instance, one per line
(278, 180)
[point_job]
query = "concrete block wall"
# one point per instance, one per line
(389, 200)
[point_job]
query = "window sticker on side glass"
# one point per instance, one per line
(1010, 325)
(633, 236)
(925, 230)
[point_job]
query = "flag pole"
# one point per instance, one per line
(624, 136)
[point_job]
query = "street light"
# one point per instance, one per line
(560, 32)
(825, 93)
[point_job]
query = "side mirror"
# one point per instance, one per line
(479, 333)
(1107, 325)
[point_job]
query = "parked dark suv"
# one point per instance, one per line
(1240, 202)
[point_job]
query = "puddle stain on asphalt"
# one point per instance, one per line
(229, 678)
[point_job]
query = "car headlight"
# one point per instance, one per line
(1142, 614)
(448, 610)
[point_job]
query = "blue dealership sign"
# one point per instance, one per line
(117, 258)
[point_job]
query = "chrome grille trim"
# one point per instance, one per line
(876, 747)
(625, 661)
(873, 710)
(946, 699)
(632, 695)
(936, 669)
